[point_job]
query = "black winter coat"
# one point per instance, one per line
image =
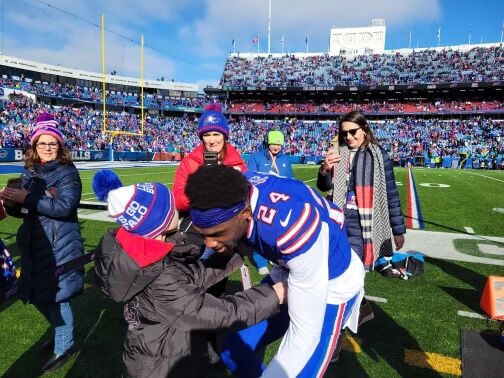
(168, 310)
(50, 233)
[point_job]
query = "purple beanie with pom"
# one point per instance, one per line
(46, 124)
(212, 119)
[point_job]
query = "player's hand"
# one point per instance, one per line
(399, 241)
(281, 291)
(332, 158)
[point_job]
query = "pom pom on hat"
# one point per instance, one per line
(103, 182)
(212, 119)
(46, 125)
(145, 209)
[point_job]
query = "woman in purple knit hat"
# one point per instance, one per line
(49, 235)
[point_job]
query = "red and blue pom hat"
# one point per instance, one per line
(144, 209)
(45, 124)
(212, 119)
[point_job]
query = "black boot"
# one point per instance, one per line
(56, 361)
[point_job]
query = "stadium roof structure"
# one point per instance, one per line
(23, 64)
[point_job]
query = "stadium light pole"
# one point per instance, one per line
(103, 69)
(269, 27)
(3, 23)
(142, 83)
(502, 31)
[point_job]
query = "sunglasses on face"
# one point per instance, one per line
(352, 132)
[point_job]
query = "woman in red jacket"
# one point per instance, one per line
(213, 130)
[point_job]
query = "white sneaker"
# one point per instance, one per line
(264, 271)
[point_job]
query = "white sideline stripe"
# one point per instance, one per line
(309, 180)
(136, 174)
(479, 174)
(94, 326)
(376, 299)
(473, 315)
(469, 230)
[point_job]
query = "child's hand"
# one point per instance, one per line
(281, 291)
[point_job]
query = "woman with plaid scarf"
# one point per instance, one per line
(360, 179)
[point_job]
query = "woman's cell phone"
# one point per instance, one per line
(334, 146)
(210, 158)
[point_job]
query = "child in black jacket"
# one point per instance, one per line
(155, 270)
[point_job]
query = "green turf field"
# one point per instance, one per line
(415, 333)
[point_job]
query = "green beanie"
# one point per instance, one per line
(276, 137)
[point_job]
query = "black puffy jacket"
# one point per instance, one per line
(50, 235)
(168, 309)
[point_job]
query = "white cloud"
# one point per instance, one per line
(197, 32)
(296, 20)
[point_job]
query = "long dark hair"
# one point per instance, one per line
(359, 119)
(32, 157)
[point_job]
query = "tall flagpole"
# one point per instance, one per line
(142, 83)
(470, 31)
(410, 39)
(258, 41)
(502, 31)
(269, 28)
(104, 78)
(439, 36)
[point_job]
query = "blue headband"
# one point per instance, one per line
(213, 217)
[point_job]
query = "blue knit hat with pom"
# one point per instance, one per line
(212, 119)
(145, 209)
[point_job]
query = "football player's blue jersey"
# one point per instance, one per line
(287, 221)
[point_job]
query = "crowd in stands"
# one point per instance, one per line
(402, 136)
(379, 107)
(94, 95)
(480, 64)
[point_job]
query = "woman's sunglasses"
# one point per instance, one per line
(352, 132)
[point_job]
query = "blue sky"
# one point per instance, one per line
(189, 40)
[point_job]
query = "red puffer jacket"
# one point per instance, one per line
(191, 163)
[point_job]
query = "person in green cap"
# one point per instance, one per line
(270, 159)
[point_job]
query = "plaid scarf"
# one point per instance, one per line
(371, 193)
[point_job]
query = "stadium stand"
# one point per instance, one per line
(450, 106)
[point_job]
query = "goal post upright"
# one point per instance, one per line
(115, 133)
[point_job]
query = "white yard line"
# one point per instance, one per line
(491, 178)
(309, 180)
(376, 299)
(469, 230)
(473, 315)
(133, 174)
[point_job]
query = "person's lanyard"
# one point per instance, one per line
(274, 166)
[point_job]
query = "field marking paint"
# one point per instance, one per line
(491, 249)
(134, 174)
(94, 326)
(310, 180)
(469, 230)
(434, 361)
(434, 185)
(473, 315)
(376, 299)
(491, 178)
(498, 209)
